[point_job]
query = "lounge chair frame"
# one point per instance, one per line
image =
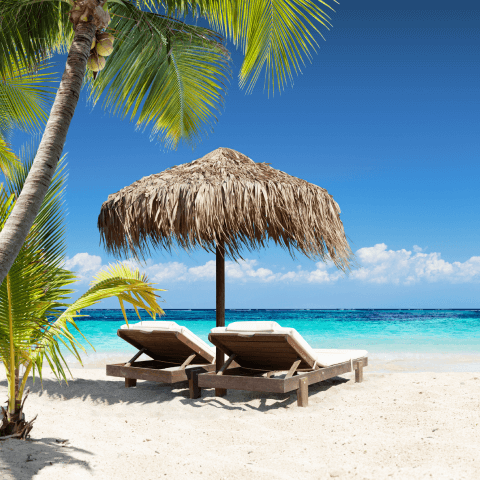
(169, 365)
(254, 373)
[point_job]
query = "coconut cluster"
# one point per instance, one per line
(102, 46)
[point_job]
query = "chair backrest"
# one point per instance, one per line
(264, 351)
(168, 345)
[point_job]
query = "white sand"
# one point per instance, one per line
(391, 426)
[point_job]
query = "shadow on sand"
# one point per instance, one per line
(22, 460)
(237, 399)
(112, 392)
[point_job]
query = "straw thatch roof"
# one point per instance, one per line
(224, 196)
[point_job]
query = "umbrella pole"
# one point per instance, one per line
(220, 305)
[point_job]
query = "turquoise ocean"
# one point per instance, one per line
(437, 340)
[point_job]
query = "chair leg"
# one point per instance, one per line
(359, 372)
(219, 362)
(302, 393)
(220, 392)
(195, 390)
(130, 382)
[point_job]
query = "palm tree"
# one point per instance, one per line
(168, 72)
(35, 315)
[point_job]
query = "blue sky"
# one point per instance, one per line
(386, 118)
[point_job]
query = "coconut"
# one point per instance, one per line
(96, 63)
(105, 36)
(94, 41)
(104, 47)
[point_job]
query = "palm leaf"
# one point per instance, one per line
(25, 97)
(8, 159)
(275, 35)
(164, 73)
(31, 31)
(117, 281)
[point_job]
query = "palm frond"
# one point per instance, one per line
(164, 73)
(119, 281)
(140, 295)
(24, 97)
(8, 159)
(275, 35)
(31, 31)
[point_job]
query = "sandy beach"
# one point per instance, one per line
(404, 425)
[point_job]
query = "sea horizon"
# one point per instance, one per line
(298, 309)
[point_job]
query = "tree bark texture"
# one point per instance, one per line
(38, 181)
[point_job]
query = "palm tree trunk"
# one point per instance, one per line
(12, 361)
(28, 203)
(18, 401)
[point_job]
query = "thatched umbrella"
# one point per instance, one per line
(224, 202)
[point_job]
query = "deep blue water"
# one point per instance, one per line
(378, 331)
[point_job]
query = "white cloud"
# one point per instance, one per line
(377, 264)
(245, 269)
(84, 265)
(319, 275)
(160, 272)
(203, 272)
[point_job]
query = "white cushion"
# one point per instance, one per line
(253, 327)
(322, 357)
(328, 357)
(151, 325)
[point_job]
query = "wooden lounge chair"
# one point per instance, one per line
(276, 359)
(176, 354)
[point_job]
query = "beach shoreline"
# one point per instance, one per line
(405, 425)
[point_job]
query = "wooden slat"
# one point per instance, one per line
(245, 371)
(319, 375)
(264, 351)
(167, 376)
(255, 384)
(187, 361)
(155, 364)
(140, 352)
(307, 360)
(170, 374)
(165, 345)
(231, 358)
(293, 368)
(194, 347)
